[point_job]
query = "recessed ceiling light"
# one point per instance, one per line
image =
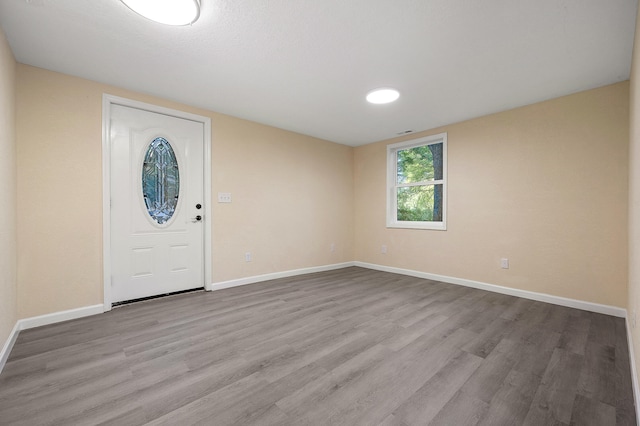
(383, 95)
(170, 12)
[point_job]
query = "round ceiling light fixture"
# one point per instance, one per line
(169, 12)
(383, 95)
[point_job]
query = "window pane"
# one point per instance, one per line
(419, 164)
(160, 180)
(420, 203)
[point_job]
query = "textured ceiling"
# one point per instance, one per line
(306, 65)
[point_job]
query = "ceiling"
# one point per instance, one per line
(306, 65)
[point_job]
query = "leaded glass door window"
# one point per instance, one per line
(160, 180)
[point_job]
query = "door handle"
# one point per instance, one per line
(196, 219)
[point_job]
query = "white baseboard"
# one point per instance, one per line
(634, 371)
(47, 319)
(8, 345)
(55, 317)
(275, 275)
(541, 297)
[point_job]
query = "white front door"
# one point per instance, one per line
(157, 203)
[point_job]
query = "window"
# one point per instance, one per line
(160, 180)
(417, 183)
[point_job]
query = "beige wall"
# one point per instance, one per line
(292, 194)
(8, 314)
(634, 197)
(543, 185)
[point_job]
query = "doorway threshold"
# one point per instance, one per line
(158, 296)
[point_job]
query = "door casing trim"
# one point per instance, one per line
(107, 102)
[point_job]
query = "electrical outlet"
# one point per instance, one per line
(224, 197)
(332, 247)
(504, 263)
(247, 256)
(383, 250)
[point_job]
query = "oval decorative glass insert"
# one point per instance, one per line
(160, 180)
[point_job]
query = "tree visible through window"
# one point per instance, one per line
(417, 187)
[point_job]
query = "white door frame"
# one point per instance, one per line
(107, 102)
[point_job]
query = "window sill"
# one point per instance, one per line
(433, 226)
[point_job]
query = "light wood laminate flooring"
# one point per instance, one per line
(345, 347)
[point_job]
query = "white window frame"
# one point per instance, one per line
(392, 185)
